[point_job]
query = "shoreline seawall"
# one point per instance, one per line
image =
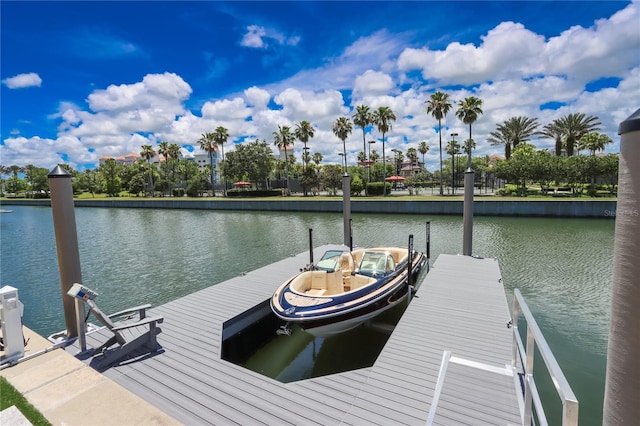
(526, 208)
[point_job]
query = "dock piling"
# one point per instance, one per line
(623, 370)
(64, 223)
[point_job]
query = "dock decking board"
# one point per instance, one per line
(461, 307)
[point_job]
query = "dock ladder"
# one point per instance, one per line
(521, 371)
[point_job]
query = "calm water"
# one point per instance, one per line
(562, 266)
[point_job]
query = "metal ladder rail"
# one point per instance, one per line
(526, 356)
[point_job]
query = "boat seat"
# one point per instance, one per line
(334, 283)
(346, 263)
(358, 281)
(318, 280)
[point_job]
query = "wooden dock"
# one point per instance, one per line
(460, 307)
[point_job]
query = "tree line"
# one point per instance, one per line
(254, 161)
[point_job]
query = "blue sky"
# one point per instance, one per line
(86, 79)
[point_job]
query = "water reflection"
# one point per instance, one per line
(301, 356)
(132, 256)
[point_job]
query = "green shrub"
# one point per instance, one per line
(178, 192)
(377, 188)
(508, 190)
(357, 185)
(592, 190)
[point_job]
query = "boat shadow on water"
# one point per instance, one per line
(302, 356)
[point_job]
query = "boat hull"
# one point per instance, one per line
(339, 325)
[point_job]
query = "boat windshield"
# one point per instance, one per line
(376, 263)
(330, 261)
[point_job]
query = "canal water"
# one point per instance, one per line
(563, 267)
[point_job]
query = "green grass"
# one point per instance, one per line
(10, 396)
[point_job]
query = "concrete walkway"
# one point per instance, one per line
(67, 392)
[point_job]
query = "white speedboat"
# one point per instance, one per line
(346, 288)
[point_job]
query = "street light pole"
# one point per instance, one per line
(453, 163)
(342, 162)
(369, 160)
(395, 161)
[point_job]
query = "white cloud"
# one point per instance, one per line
(511, 51)
(225, 110)
(373, 83)
(258, 37)
(506, 51)
(259, 98)
(607, 49)
(120, 111)
(21, 81)
(44, 152)
(514, 71)
(316, 107)
(253, 37)
(167, 89)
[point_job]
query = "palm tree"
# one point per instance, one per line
(342, 128)
(207, 143)
(501, 136)
(173, 151)
(382, 118)
(574, 126)
(438, 106)
(220, 137)
(148, 153)
(283, 138)
(304, 131)
(317, 158)
(14, 170)
(468, 146)
(163, 148)
(362, 118)
(513, 131)
(555, 132)
(423, 148)
(412, 154)
(468, 111)
(594, 141)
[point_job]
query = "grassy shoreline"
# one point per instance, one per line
(11, 396)
(319, 198)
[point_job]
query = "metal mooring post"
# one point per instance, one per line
(310, 246)
(621, 403)
(64, 223)
(428, 252)
(467, 215)
(346, 208)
